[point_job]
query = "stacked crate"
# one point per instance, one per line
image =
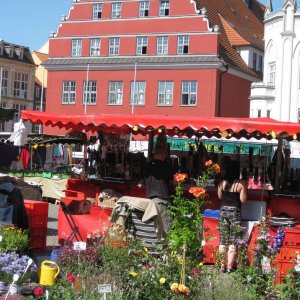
(286, 258)
(37, 212)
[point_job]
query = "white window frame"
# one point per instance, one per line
(164, 8)
(89, 94)
(268, 113)
(144, 9)
(114, 46)
(162, 45)
(68, 92)
(116, 10)
(272, 73)
(183, 42)
(76, 47)
(138, 93)
(165, 93)
(4, 88)
(141, 45)
(97, 11)
(188, 89)
(115, 93)
(21, 85)
(95, 46)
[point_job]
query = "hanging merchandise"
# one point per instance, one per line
(19, 136)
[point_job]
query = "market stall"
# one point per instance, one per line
(187, 127)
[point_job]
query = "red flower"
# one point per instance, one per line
(208, 163)
(71, 278)
(179, 177)
(216, 168)
(38, 291)
(197, 191)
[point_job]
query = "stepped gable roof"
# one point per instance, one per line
(239, 26)
(42, 56)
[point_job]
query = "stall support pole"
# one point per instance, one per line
(278, 172)
(150, 144)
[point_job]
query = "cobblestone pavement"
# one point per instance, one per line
(52, 239)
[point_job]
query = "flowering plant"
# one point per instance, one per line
(13, 239)
(12, 263)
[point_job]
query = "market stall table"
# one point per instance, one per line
(52, 188)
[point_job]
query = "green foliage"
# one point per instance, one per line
(13, 239)
(290, 288)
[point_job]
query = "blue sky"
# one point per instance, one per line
(29, 22)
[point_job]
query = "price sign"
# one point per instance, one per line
(79, 246)
(104, 288)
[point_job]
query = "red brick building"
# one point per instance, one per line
(154, 57)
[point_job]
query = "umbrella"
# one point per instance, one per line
(19, 136)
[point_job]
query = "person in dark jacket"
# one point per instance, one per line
(157, 177)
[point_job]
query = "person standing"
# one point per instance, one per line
(157, 178)
(232, 192)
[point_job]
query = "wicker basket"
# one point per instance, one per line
(107, 203)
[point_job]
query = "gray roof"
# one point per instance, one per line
(129, 61)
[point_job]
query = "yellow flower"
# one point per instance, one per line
(201, 264)
(180, 260)
(146, 252)
(162, 280)
(181, 287)
(174, 287)
(133, 274)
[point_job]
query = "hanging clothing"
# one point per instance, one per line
(24, 157)
(66, 158)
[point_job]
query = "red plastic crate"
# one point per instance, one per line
(37, 212)
(38, 242)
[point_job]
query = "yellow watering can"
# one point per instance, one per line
(49, 272)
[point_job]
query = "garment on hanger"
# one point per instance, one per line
(24, 157)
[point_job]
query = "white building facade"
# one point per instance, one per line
(278, 95)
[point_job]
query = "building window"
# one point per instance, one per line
(97, 11)
(76, 47)
(268, 113)
(162, 45)
(259, 113)
(144, 9)
(21, 54)
(69, 92)
(141, 45)
(116, 10)
(17, 116)
(89, 92)
(183, 44)
(1, 49)
(115, 96)
(189, 93)
(4, 79)
(164, 8)
(298, 115)
(21, 85)
(254, 61)
(37, 92)
(11, 52)
(165, 93)
(272, 73)
(95, 47)
(114, 45)
(260, 63)
(138, 92)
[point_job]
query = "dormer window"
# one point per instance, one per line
(20, 53)
(10, 52)
(164, 8)
(97, 11)
(254, 61)
(116, 10)
(1, 49)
